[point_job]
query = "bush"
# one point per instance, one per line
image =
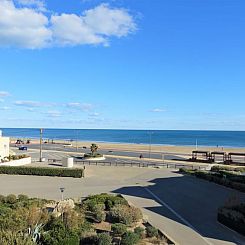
(108, 200)
(130, 238)
(22, 197)
(140, 232)
(89, 155)
(125, 214)
(100, 215)
(233, 217)
(118, 229)
(2, 199)
(227, 168)
(151, 231)
(11, 199)
(186, 171)
(60, 172)
(104, 239)
(231, 180)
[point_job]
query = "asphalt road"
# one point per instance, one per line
(60, 147)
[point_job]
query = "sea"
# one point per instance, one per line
(156, 137)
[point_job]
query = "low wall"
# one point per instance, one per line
(94, 159)
(19, 162)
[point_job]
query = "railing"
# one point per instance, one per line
(140, 164)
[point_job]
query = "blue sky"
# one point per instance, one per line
(133, 64)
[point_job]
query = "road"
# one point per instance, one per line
(136, 154)
(182, 206)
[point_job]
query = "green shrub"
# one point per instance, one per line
(118, 229)
(2, 199)
(108, 200)
(140, 232)
(100, 215)
(130, 238)
(220, 180)
(89, 155)
(233, 217)
(60, 172)
(227, 168)
(11, 199)
(22, 197)
(151, 231)
(186, 171)
(104, 239)
(125, 214)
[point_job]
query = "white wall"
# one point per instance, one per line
(19, 162)
(4, 147)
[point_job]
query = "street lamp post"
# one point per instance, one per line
(62, 189)
(41, 142)
(150, 136)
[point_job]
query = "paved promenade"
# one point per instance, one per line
(182, 206)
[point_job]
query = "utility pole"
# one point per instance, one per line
(150, 134)
(76, 139)
(41, 144)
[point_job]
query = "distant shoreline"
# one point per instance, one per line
(234, 139)
(158, 148)
(118, 143)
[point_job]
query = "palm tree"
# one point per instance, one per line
(93, 149)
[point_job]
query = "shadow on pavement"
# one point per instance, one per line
(194, 199)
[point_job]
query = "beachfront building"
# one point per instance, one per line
(4, 146)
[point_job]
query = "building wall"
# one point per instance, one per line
(4, 147)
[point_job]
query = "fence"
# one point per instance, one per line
(140, 164)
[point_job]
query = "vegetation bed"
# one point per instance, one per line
(233, 217)
(30, 221)
(40, 171)
(89, 155)
(224, 178)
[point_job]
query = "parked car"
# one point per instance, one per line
(23, 148)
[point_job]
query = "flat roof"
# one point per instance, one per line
(200, 152)
(237, 154)
(218, 152)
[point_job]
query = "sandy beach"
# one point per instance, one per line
(168, 149)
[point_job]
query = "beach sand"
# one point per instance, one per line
(165, 149)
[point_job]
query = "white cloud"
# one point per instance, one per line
(158, 110)
(94, 26)
(28, 103)
(53, 114)
(4, 93)
(37, 4)
(94, 114)
(22, 27)
(80, 106)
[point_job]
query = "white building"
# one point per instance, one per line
(4, 146)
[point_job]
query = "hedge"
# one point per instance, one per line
(40, 171)
(231, 222)
(216, 178)
(227, 168)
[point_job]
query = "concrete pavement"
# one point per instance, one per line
(193, 201)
